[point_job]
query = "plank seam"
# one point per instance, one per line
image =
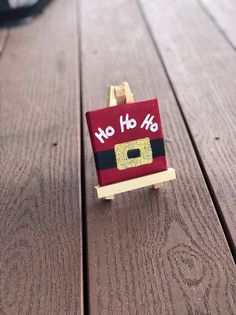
(215, 23)
(82, 168)
(5, 40)
(210, 188)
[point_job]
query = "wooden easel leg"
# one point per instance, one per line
(156, 186)
(118, 95)
(111, 197)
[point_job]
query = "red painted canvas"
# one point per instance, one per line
(127, 141)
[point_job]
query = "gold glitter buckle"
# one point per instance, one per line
(133, 153)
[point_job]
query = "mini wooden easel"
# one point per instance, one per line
(118, 95)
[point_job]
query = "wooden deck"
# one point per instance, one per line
(171, 251)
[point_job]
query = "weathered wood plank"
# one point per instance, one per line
(149, 252)
(202, 68)
(3, 38)
(224, 13)
(40, 215)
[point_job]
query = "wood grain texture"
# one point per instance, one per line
(3, 39)
(223, 12)
(149, 252)
(40, 215)
(202, 68)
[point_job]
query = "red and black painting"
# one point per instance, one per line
(127, 141)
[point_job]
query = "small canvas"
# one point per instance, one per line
(127, 141)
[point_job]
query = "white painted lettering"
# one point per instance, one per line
(104, 134)
(149, 124)
(128, 123)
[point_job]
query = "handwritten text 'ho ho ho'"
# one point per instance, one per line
(126, 124)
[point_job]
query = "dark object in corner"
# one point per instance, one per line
(10, 14)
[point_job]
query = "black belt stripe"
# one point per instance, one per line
(107, 159)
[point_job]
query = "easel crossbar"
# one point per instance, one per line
(131, 184)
